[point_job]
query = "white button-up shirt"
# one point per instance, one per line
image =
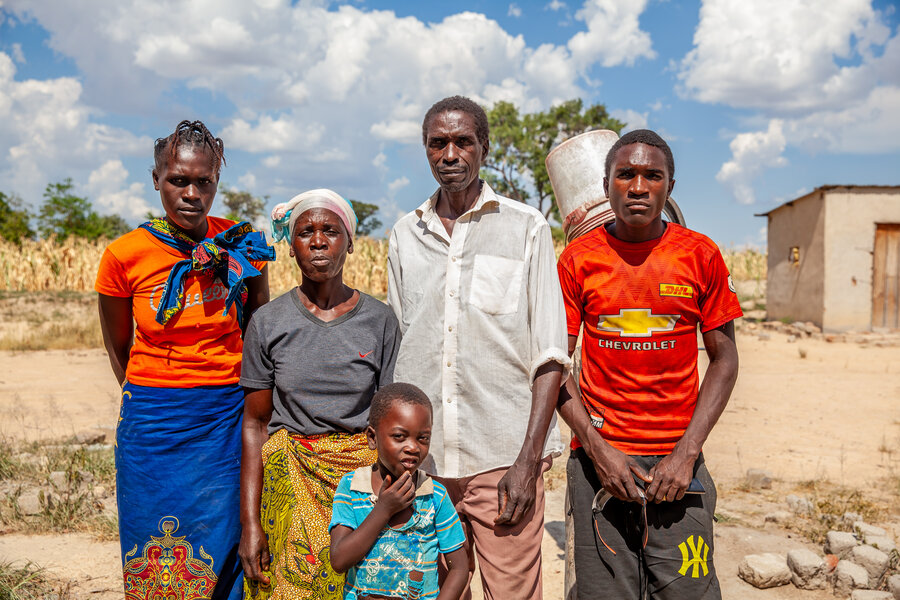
(480, 312)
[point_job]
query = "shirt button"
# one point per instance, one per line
(450, 328)
(452, 293)
(453, 259)
(449, 400)
(448, 363)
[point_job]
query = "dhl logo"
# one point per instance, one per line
(678, 291)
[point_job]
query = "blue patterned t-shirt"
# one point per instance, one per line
(433, 529)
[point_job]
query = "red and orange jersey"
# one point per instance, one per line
(199, 345)
(641, 305)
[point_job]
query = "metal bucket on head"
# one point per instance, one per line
(576, 168)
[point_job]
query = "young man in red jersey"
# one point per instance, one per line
(642, 498)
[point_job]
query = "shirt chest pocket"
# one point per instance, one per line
(496, 284)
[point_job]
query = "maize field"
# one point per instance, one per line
(71, 265)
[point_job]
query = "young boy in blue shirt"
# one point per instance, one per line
(388, 543)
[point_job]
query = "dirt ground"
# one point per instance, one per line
(804, 411)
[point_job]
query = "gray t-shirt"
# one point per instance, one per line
(324, 374)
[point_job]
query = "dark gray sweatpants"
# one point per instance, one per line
(676, 564)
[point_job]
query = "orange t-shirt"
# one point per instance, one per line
(199, 345)
(641, 305)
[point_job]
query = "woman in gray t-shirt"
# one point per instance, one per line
(312, 360)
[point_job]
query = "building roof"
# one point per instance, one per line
(828, 188)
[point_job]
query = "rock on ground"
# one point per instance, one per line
(839, 543)
(885, 544)
(894, 586)
(847, 577)
(870, 595)
(808, 569)
(765, 570)
(873, 560)
(865, 530)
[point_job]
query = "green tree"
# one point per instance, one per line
(15, 220)
(366, 222)
(242, 205)
(63, 214)
(520, 143)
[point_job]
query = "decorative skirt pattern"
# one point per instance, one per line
(178, 454)
(300, 476)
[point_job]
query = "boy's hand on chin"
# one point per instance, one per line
(394, 496)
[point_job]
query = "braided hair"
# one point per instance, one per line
(189, 133)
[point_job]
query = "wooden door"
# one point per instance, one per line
(886, 276)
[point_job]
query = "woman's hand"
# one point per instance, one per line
(397, 495)
(254, 553)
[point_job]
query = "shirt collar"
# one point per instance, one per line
(362, 482)
(487, 197)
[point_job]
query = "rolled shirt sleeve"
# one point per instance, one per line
(546, 310)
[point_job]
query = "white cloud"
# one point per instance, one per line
(614, 36)
(247, 181)
(830, 83)
(555, 5)
(397, 185)
(751, 154)
(514, 11)
(47, 134)
(108, 186)
(632, 119)
(17, 54)
(310, 82)
(773, 55)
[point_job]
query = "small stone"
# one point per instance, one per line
(894, 586)
(811, 328)
(748, 305)
(849, 518)
(847, 577)
(883, 543)
(873, 560)
(29, 503)
(765, 570)
(90, 438)
(865, 530)
(792, 339)
(830, 338)
(100, 491)
(800, 506)
(776, 325)
(763, 336)
(59, 480)
(759, 478)
(839, 543)
(781, 517)
(808, 570)
(831, 562)
(756, 315)
(870, 595)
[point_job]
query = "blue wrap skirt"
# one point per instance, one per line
(178, 453)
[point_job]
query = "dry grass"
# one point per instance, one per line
(29, 582)
(71, 265)
(68, 508)
(746, 265)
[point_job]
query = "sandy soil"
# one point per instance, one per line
(808, 410)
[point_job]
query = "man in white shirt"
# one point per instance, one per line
(473, 281)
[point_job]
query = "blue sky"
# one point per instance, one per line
(761, 101)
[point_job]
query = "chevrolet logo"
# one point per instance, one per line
(637, 322)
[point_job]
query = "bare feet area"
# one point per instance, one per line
(822, 419)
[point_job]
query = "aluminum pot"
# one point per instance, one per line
(576, 169)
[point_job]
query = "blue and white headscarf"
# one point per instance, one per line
(284, 215)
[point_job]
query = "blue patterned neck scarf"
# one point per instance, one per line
(226, 256)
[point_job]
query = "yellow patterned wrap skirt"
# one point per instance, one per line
(300, 475)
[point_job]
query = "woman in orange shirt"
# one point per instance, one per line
(173, 296)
